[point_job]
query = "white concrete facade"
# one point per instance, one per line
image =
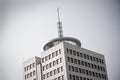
(32, 69)
(77, 63)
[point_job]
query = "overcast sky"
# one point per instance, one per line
(26, 25)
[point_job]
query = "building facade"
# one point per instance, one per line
(32, 69)
(66, 61)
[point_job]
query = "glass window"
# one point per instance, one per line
(49, 56)
(53, 55)
(78, 54)
(59, 51)
(56, 53)
(74, 53)
(61, 68)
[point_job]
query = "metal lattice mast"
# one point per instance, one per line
(60, 31)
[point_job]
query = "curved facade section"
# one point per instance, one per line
(55, 41)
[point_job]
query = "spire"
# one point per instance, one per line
(60, 32)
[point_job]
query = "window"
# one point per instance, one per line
(50, 73)
(80, 70)
(27, 67)
(44, 76)
(91, 58)
(77, 78)
(61, 68)
(82, 63)
(60, 60)
(75, 61)
(69, 67)
(67, 50)
(97, 59)
(78, 54)
(70, 77)
(88, 57)
(70, 51)
(71, 60)
(53, 55)
(43, 68)
(53, 63)
(49, 56)
(59, 78)
(24, 68)
(47, 74)
(79, 62)
(72, 68)
(25, 77)
(57, 61)
(33, 65)
(76, 69)
(86, 64)
(73, 77)
(54, 71)
(42, 60)
(74, 53)
(83, 71)
(59, 51)
(90, 73)
(30, 74)
(50, 65)
(81, 55)
(62, 77)
(87, 72)
(30, 66)
(33, 72)
(68, 59)
(58, 70)
(56, 53)
(45, 58)
(47, 66)
(85, 56)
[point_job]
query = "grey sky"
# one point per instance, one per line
(26, 25)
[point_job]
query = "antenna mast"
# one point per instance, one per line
(60, 32)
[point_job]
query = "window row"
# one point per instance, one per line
(30, 74)
(51, 64)
(46, 58)
(86, 64)
(73, 77)
(59, 78)
(54, 72)
(29, 67)
(86, 72)
(85, 56)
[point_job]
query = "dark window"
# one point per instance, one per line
(71, 60)
(59, 51)
(50, 73)
(30, 74)
(67, 50)
(79, 62)
(60, 60)
(85, 56)
(83, 71)
(42, 60)
(87, 72)
(53, 55)
(76, 69)
(68, 59)
(47, 74)
(58, 70)
(57, 61)
(97, 59)
(70, 77)
(73, 77)
(91, 58)
(75, 61)
(43, 68)
(49, 56)
(50, 65)
(56, 53)
(80, 70)
(45, 58)
(54, 71)
(62, 77)
(77, 78)
(86, 64)
(47, 66)
(78, 54)
(81, 55)
(33, 72)
(82, 63)
(69, 67)
(61, 68)
(70, 51)
(74, 53)
(88, 57)
(72, 68)
(53, 63)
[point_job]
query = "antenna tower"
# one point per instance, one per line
(60, 31)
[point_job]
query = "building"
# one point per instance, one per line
(64, 59)
(32, 69)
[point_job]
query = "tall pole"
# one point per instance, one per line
(60, 32)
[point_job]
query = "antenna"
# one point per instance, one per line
(60, 32)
